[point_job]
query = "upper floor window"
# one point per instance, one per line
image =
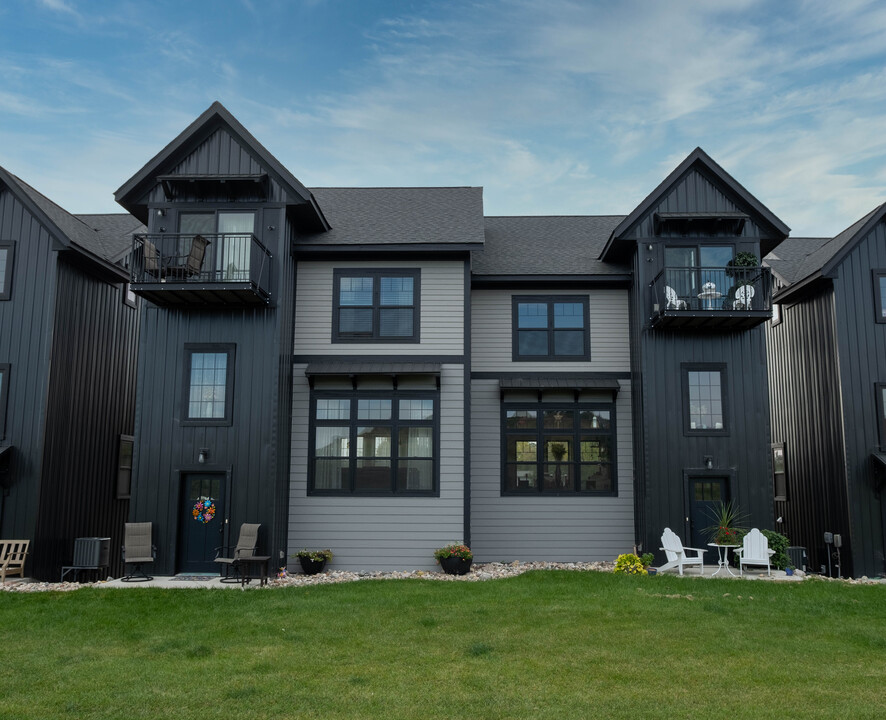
(558, 448)
(704, 399)
(776, 314)
(209, 384)
(7, 254)
(231, 235)
(550, 328)
(779, 472)
(124, 467)
(374, 442)
(376, 305)
(4, 392)
(880, 295)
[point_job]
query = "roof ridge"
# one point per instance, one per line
(53, 203)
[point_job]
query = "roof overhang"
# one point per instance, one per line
(354, 370)
(215, 185)
(572, 281)
(570, 383)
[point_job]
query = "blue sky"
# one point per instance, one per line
(554, 106)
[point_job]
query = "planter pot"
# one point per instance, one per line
(652, 570)
(311, 567)
(455, 565)
(789, 571)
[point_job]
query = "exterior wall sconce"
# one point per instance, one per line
(709, 462)
(161, 212)
(203, 456)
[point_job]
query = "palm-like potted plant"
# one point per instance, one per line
(727, 528)
(455, 559)
(313, 561)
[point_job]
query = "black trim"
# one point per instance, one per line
(467, 405)
(685, 369)
(395, 423)
(6, 280)
(550, 301)
(190, 348)
(480, 375)
(124, 471)
(575, 463)
(4, 395)
(376, 275)
(560, 281)
(879, 297)
(776, 485)
(408, 358)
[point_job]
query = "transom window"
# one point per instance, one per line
(376, 306)
(550, 328)
(779, 473)
(880, 295)
(704, 399)
(558, 449)
(374, 443)
(7, 252)
(209, 372)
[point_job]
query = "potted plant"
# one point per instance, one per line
(647, 560)
(455, 559)
(788, 570)
(726, 529)
(313, 561)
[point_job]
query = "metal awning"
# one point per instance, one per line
(363, 369)
(214, 185)
(561, 382)
(879, 458)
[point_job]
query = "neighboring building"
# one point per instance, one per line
(68, 336)
(381, 371)
(827, 378)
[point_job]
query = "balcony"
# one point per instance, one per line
(711, 297)
(201, 270)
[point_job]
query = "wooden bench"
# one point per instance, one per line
(12, 558)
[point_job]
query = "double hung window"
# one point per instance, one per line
(7, 253)
(124, 467)
(208, 384)
(376, 305)
(374, 442)
(550, 328)
(558, 448)
(779, 472)
(704, 399)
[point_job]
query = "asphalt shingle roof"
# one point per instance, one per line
(115, 231)
(542, 245)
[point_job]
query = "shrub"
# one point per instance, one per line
(458, 550)
(314, 555)
(629, 564)
(779, 543)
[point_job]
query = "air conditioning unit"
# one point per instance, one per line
(797, 555)
(92, 552)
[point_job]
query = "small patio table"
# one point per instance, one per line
(723, 558)
(252, 567)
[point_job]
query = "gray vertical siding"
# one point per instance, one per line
(565, 529)
(372, 533)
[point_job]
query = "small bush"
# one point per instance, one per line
(629, 564)
(779, 543)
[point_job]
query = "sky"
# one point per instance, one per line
(554, 107)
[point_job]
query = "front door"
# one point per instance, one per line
(201, 521)
(705, 494)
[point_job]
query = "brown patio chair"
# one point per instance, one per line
(12, 558)
(152, 259)
(138, 550)
(246, 545)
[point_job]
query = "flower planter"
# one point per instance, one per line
(651, 571)
(455, 565)
(311, 567)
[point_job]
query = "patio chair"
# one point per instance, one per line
(677, 555)
(12, 558)
(152, 258)
(674, 301)
(743, 298)
(246, 545)
(138, 550)
(754, 551)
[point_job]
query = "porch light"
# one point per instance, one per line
(709, 462)
(203, 456)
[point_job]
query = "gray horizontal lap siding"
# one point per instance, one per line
(373, 533)
(564, 529)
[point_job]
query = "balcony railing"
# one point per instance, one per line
(711, 296)
(203, 269)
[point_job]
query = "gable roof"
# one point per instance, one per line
(215, 116)
(115, 231)
(617, 244)
(66, 228)
(399, 216)
(539, 245)
(800, 261)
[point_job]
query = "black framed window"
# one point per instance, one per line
(881, 411)
(7, 256)
(879, 295)
(124, 467)
(208, 385)
(4, 393)
(558, 448)
(374, 442)
(376, 305)
(779, 472)
(704, 399)
(550, 327)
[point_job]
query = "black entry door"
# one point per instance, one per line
(201, 521)
(705, 494)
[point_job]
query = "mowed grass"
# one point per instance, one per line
(542, 645)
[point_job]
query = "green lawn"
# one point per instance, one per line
(542, 645)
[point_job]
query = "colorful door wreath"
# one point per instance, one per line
(204, 509)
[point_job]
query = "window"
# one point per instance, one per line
(129, 297)
(7, 254)
(233, 244)
(881, 411)
(376, 306)
(690, 269)
(776, 314)
(374, 442)
(4, 392)
(704, 399)
(124, 467)
(880, 295)
(550, 328)
(779, 475)
(209, 380)
(557, 448)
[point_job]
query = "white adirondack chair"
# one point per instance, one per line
(743, 297)
(754, 551)
(674, 301)
(676, 553)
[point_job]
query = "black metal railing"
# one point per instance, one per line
(715, 289)
(220, 258)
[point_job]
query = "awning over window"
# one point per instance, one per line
(560, 382)
(702, 221)
(367, 369)
(214, 185)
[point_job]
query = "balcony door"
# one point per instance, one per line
(698, 272)
(230, 256)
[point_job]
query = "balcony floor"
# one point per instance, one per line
(191, 294)
(710, 319)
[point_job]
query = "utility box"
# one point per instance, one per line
(797, 556)
(90, 553)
